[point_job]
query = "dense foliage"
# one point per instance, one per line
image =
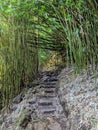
(30, 28)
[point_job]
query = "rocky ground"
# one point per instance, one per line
(56, 100)
(80, 93)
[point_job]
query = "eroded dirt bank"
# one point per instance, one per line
(56, 100)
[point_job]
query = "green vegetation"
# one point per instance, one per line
(31, 29)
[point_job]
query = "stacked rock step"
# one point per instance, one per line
(47, 99)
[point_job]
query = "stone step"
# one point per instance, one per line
(52, 79)
(49, 91)
(50, 83)
(46, 96)
(41, 108)
(49, 74)
(48, 110)
(45, 99)
(45, 103)
(47, 86)
(50, 94)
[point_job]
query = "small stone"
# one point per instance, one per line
(17, 99)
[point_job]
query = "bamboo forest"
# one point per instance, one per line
(48, 64)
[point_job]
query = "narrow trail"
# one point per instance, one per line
(40, 107)
(48, 101)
